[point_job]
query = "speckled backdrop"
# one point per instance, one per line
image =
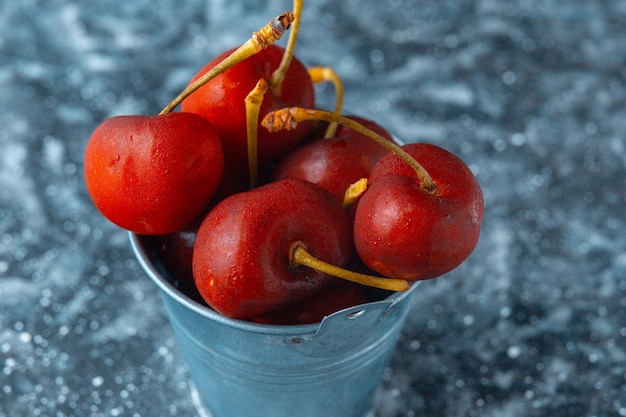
(531, 94)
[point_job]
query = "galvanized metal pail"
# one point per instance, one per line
(243, 369)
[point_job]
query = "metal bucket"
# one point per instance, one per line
(243, 369)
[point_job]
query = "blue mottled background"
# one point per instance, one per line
(531, 94)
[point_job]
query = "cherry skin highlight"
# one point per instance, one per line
(400, 230)
(241, 256)
(153, 175)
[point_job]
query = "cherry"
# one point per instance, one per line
(153, 175)
(175, 252)
(421, 215)
(242, 263)
(335, 163)
(330, 299)
(172, 254)
(222, 102)
(405, 231)
(289, 118)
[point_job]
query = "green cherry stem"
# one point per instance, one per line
(289, 117)
(260, 40)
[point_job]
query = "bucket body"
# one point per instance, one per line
(243, 369)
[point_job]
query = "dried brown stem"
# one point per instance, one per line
(278, 76)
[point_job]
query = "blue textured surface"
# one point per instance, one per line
(531, 94)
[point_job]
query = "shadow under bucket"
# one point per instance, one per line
(243, 369)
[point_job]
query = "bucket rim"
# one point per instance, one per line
(171, 291)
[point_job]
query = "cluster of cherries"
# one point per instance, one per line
(256, 202)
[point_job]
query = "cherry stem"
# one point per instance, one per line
(289, 117)
(260, 40)
(253, 102)
(278, 76)
(300, 256)
(323, 74)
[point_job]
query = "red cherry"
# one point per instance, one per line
(334, 297)
(403, 231)
(222, 102)
(175, 252)
(153, 174)
(335, 163)
(242, 256)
